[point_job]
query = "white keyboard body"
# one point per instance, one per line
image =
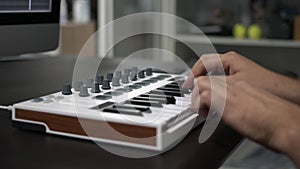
(75, 116)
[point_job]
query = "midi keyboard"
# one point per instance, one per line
(133, 108)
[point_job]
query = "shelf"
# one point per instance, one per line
(216, 40)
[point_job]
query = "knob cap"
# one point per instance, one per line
(141, 74)
(127, 72)
(99, 80)
(84, 91)
(124, 79)
(133, 76)
(106, 85)
(109, 76)
(116, 82)
(66, 89)
(77, 85)
(89, 82)
(134, 69)
(95, 88)
(118, 74)
(149, 72)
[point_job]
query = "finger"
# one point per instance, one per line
(197, 70)
(204, 87)
(219, 94)
(188, 84)
(195, 95)
(206, 63)
(205, 99)
(201, 85)
(207, 82)
(195, 104)
(212, 92)
(201, 102)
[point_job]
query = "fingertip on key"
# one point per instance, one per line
(187, 84)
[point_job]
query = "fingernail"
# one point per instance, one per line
(184, 85)
(195, 82)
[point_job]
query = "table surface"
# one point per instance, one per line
(25, 79)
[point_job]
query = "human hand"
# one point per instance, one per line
(255, 113)
(239, 68)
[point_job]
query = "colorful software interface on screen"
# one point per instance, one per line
(15, 6)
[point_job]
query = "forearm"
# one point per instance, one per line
(285, 87)
(265, 118)
(294, 152)
(287, 137)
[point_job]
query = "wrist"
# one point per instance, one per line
(285, 87)
(288, 138)
(292, 147)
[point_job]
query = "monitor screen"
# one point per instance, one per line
(25, 6)
(28, 26)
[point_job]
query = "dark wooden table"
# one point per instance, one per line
(25, 79)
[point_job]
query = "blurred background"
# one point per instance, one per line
(266, 31)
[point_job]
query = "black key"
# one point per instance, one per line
(170, 99)
(177, 79)
(169, 89)
(123, 111)
(183, 91)
(101, 106)
(175, 86)
(169, 93)
(178, 82)
(103, 97)
(131, 107)
(172, 80)
(175, 83)
(144, 103)
(160, 100)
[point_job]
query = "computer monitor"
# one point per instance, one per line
(28, 26)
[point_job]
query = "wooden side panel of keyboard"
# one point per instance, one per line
(95, 128)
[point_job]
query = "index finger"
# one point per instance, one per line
(206, 63)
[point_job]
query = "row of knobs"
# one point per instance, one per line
(131, 74)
